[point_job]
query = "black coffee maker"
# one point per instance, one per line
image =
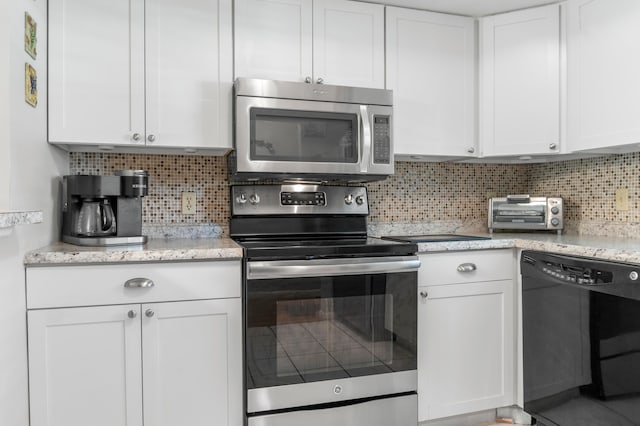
(104, 210)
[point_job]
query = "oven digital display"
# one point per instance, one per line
(303, 199)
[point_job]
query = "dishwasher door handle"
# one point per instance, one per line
(331, 267)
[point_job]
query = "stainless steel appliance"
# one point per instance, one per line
(313, 132)
(330, 315)
(104, 210)
(581, 340)
(525, 212)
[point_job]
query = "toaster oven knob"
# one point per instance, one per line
(254, 198)
(359, 200)
(555, 221)
(348, 199)
(555, 210)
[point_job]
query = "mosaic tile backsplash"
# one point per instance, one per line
(447, 193)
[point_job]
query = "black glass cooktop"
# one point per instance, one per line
(434, 238)
(324, 248)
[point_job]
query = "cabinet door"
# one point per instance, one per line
(192, 361)
(604, 90)
(273, 39)
(521, 78)
(466, 348)
(96, 71)
(348, 43)
(188, 73)
(84, 366)
(431, 70)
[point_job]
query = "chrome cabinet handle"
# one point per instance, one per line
(308, 80)
(467, 267)
(320, 81)
(149, 313)
(139, 283)
(471, 150)
(553, 146)
(424, 294)
(151, 138)
(132, 314)
(136, 137)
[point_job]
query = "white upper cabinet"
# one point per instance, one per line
(521, 79)
(273, 39)
(332, 41)
(96, 72)
(604, 70)
(348, 43)
(145, 74)
(431, 68)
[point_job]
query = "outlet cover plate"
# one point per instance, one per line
(188, 202)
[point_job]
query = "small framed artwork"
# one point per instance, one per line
(30, 35)
(30, 85)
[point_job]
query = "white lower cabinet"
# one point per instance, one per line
(466, 340)
(160, 364)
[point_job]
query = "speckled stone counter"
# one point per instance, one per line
(606, 248)
(156, 250)
(9, 219)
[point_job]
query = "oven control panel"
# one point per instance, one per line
(299, 199)
(314, 198)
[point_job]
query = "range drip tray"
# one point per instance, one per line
(434, 238)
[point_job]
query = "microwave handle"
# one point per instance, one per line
(366, 139)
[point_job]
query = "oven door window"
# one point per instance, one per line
(302, 330)
(303, 136)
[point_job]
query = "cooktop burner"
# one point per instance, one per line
(434, 238)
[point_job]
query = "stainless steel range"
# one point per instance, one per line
(329, 314)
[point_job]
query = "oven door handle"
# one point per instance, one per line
(260, 270)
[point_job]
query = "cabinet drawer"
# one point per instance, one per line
(478, 265)
(85, 285)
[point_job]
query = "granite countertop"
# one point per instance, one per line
(606, 248)
(13, 218)
(156, 250)
(159, 250)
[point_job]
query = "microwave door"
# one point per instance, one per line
(284, 136)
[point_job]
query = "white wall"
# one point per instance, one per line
(4, 106)
(35, 168)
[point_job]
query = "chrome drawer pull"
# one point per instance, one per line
(467, 267)
(139, 283)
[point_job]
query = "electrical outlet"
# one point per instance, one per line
(188, 203)
(622, 199)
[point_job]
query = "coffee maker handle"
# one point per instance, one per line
(107, 216)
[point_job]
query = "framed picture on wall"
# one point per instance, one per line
(30, 85)
(30, 35)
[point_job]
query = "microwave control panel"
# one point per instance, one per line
(381, 139)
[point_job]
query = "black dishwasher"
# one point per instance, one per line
(581, 340)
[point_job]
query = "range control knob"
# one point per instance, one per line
(348, 199)
(242, 198)
(254, 198)
(633, 275)
(555, 210)
(555, 221)
(359, 200)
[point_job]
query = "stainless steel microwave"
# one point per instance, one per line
(316, 132)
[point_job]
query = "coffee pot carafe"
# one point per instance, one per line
(96, 218)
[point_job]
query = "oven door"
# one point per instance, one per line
(286, 136)
(329, 330)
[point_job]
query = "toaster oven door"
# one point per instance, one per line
(531, 215)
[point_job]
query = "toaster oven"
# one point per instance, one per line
(522, 212)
